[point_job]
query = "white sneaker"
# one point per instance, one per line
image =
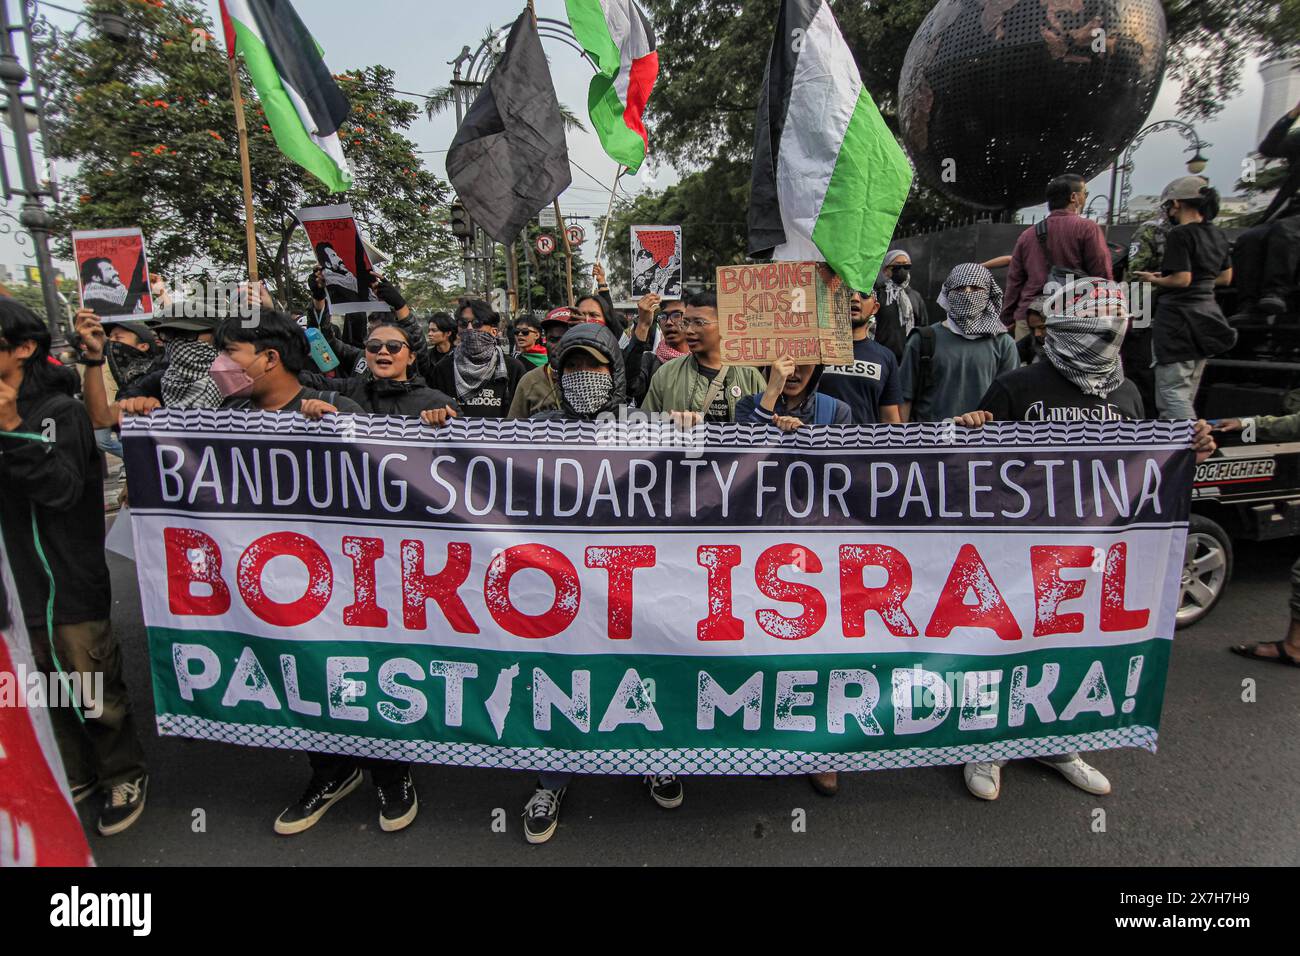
(983, 780)
(1084, 776)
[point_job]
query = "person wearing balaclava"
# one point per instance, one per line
(592, 376)
(478, 374)
(947, 368)
(1079, 378)
(902, 308)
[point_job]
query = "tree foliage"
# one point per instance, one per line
(713, 54)
(150, 125)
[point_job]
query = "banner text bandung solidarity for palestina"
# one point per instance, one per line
(519, 594)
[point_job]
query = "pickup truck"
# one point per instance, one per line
(1249, 490)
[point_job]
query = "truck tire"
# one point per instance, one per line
(1207, 568)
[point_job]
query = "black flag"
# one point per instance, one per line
(509, 159)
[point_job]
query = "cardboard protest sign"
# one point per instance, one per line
(38, 822)
(799, 309)
(341, 254)
(657, 261)
(112, 271)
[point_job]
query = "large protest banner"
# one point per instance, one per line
(595, 598)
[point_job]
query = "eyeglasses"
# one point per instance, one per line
(527, 331)
(392, 346)
(476, 323)
(698, 323)
(670, 318)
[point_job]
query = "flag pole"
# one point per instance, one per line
(250, 226)
(604, 233)
(559, 216)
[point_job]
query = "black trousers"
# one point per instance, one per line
(384, 773)
(1266, 259)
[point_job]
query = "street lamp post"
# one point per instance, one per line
(34, 218)
(1124, 167)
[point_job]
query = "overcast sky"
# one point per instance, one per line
(417, 38)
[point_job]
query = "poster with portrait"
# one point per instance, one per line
(341, 254)
(657, 261)
(113, 271)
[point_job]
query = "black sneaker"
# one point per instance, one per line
(1272, 305)
(84, 791)
(321, 794)
(666, 789)
(398, 804)
(123, 805)
(542, 814)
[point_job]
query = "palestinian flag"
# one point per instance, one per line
(829, 178)
(304, 106)
(618, 38)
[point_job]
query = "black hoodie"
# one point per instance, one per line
(380, 396)
(589, 335)
(61, 483)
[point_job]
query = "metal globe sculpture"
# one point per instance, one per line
(998, 96)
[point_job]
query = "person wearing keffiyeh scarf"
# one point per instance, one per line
(973, 301)
(186, 382)
(1086, 322)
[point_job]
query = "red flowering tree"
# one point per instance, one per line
(150, 125)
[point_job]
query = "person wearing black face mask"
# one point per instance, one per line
(902, 308)
(1030, 348)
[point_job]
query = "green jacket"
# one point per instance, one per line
(1147, 250)
(678, 386)
(1277, 427)
(534, 393)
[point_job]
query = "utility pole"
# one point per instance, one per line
(34, 218)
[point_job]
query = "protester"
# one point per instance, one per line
(1266, 257)
(391, 385)
(791, 400)
(186, 332)
(1274, 428)
(130, 350)
(442, 335)
(696, 388)
(1079, 379)
(529, 346)
(669, 344)
(902, 308)
(870, 386)
(1189, 327)
(258, 369)
(593, 382)
(52, 517)
(947, 367)
(479, 373)
(537, 390)
(1029, 348)
(600, 309)
(1065, 240)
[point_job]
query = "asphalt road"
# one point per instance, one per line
(1223, 790)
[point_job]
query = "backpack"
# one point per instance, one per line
(824, 412)
(1057, 278)
(925, 368)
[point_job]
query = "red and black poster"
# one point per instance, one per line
(342, 257)
(113, 271)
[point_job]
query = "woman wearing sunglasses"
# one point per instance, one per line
(390, 385)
